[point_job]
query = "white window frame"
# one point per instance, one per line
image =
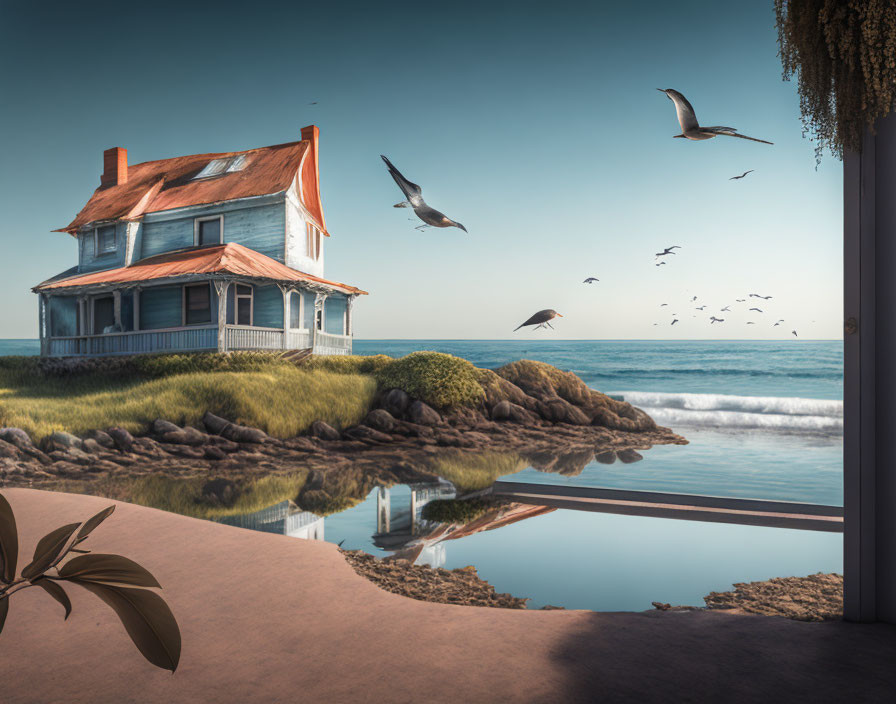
(183, 305)
(97, 252)
(301, 306)
(236, 305)
(207, 218)
(313, 239)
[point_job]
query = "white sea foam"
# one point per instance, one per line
(787, 414)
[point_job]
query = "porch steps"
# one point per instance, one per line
(297, 356)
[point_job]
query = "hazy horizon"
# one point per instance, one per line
(538, 128)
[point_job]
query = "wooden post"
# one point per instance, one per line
(286, 315)
(137, 308)
(116, 308)
(221, 289)
(349, 301)
(43, 327)
(869, 389)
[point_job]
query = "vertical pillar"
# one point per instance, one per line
(383, 510)
(221, 290)
(43, 325)
(869, 391)
(137, 308)
(413, 510)
(349, 301)
(286, 315)
(116, 308)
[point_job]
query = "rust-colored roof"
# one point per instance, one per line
(168, 183)
(228, 258)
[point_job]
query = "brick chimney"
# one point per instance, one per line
(115, 167)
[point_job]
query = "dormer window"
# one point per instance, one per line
(104, 240)
(227, 165)
(312, 241)
(207, 232)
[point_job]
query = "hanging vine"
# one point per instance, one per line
(843, 53)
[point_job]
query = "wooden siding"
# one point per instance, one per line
(296, 248)
(88, 260)
(334, 315)
(161, 307)
(259, 227)
(268, 311)
(63, 316)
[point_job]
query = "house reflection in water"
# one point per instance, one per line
(403, 529)
(284, 518)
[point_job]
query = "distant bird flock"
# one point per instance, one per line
(691, 129)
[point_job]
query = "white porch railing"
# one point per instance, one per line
(189, 339)
(327, 343)
(244, 337)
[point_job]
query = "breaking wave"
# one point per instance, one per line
(784, 414)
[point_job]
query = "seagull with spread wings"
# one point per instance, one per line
(590, 280)
(735, 178)
(691, 129)
(430, 216)
(714, 319)
(668, 250)
(758, 310)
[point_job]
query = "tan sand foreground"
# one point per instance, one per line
(268, 618)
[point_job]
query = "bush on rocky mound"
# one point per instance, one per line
(440, 380)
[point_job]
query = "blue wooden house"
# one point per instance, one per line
(204, 252)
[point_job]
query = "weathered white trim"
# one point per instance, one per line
(208, 218)
(236, 303)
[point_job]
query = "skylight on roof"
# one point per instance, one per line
(216, 167)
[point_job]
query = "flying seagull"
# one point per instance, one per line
(315, 103)
(794, 333)
(668, 250)
(778, 323)
(693, 299)
(663, 304)
(691, 129)
(714, 319)
(750, 322)
(758, 310)
(674, 321)
(740, 300)
(660, 264)
(722, 310)
(735, 178)
(413, 193)
(542, 317)
(590, 280)
(701, 307)
(756, 295)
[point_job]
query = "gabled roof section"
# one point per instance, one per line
(233, 259)
(170, 183)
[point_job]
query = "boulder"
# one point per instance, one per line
(242, 433)
(214, 453)
(365, 434)
(214, 424)
(185, 436)
(324, 431)
(421, 414)
(629, 456)
(161, 426)
(605, 457)
(558, 410)
(7, 449)
(92, 446)
(507, 411)
(123, 440)
(222, 443)
(16, 436)
(102, 438)
(396, 402)
(380, 419)
(61, 441)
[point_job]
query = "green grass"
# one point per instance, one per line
(470, 472)
(282, 400)
(455, 511)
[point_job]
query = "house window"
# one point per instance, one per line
(197, 304)
(209, 231)
(312, 241)
(103, 314)
(295, 310)
(243, 299)
(104, 240)
(226, 165)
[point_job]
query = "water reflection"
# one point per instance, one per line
(284, 518)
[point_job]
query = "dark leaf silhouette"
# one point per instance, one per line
(4, 609)
(147, 619)
(107, 569)
(48, 549)
(92, 523)
(55, 591)
(9, 543)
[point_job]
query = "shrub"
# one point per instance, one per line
(457, 511)
(441, 380)
(470, 472)
(349, 364)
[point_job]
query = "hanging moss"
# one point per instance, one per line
(844, 57)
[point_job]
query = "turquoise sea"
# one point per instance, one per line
(764, 420)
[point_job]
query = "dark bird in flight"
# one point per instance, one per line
(735, 178)
(590, 280)
(778, 323)
(700, 307)
(691, 129)
(663, 304)
(714, 319)
(660, 264)
(413, 193)
(315, 103)
(758, 310)
(750, 322)
(756, 295)
(542, 317)
(674, 321)
(668, 250)
(794, 333)
(740, 300)
(722, 310)
(693, 299)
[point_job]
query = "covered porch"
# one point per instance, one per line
(178, 303)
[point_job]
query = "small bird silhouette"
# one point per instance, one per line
(663, 304)
(758, 310)
(661, 264)
(778, 323)
(794, 333)
(756, 295)
(590, 280)
(693, 299)
(674, 321)
(668, 250)
(740, 300)
(315, 103)
(722, 310)
(714, 319)
(750, 322)
(700, 307)
(735, 178)
(542, 317)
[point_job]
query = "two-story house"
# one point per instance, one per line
(204, 252)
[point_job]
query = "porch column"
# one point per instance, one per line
(286, 315)
(43, 326)
(349, 301)
(137, 308)
(221, 289)
(319, 299)
(869, 389)
(116, 308)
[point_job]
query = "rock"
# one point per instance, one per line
(60, 440)
(420, 413)
(147, 447)
(161, 426)
(507, 411)
(396, 402)
(7, 449)
(314, 481)
(558, 410)
(92, 446)
(222, 443)
(242, 433)
(185, 436)
(629, 456)
(214, 424)
(365, 434)
(193, 453)
(324, 431)
(380, 419)
(16, 436)
(214, 453)
(34, 453)
(605, 457)
(102, 438)
(123, 440)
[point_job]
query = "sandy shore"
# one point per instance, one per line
(269, 618)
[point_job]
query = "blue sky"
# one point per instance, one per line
(537, 126)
